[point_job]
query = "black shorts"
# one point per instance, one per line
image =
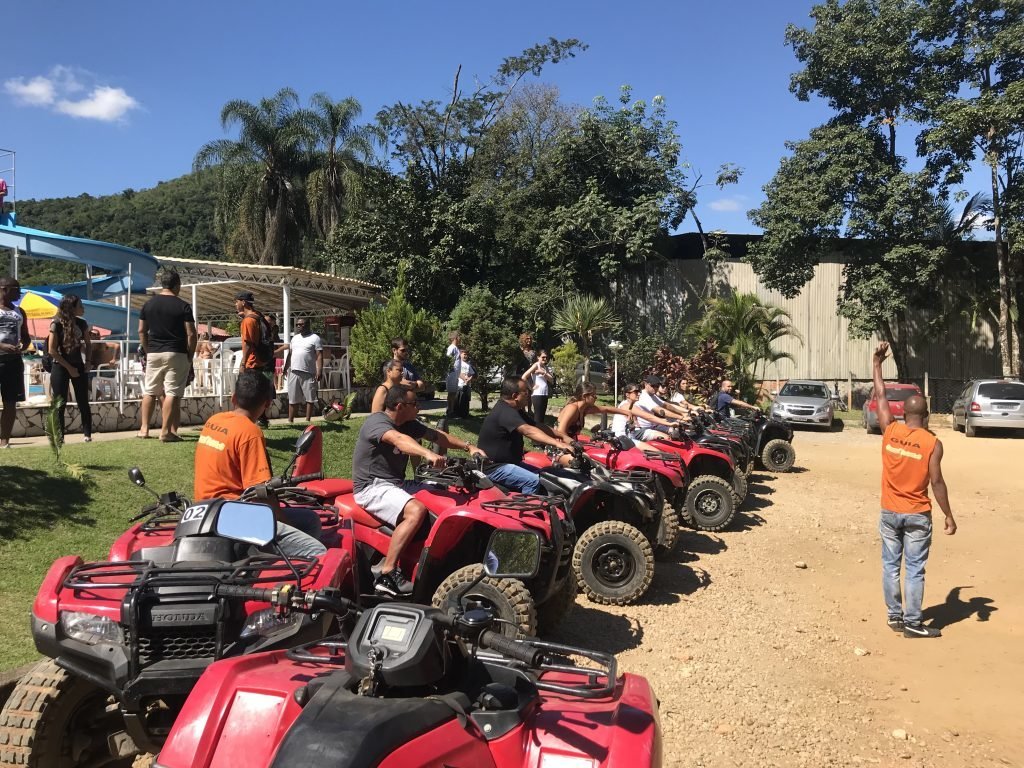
(12, 379)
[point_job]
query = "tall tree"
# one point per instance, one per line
(266, 165)
(486, 329)
(981, 116)
(344, 148)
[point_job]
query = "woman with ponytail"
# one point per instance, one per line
(68, 345)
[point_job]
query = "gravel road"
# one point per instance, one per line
(767, 644)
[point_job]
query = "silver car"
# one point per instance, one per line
(804, 402)
(989, 403)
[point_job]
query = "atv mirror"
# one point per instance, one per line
(305, 442)
(242, 521)
(513, 555)
(135, 475)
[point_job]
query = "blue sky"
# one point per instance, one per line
(99, 97)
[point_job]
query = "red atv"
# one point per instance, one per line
(464, 509)
(715, 489)
(411, 685)
(618, 514)
(126, 639)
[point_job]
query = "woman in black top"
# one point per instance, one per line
(68, 345)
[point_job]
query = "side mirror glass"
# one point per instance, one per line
(250, 523)
(135, 475)
(513, 555)
(305, 442)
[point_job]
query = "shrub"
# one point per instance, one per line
(564, 360)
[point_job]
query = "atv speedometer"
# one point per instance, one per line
(90, 629)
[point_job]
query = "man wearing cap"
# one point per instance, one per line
(257, 349)
(724, 400)
(651, 402)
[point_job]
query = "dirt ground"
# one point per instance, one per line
(758, 661)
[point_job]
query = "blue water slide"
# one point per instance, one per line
(112, 259)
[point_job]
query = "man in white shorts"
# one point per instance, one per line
(303, 366)
(386, 441)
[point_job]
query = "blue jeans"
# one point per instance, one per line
(905, 537)
(518, 477)
(299, 538)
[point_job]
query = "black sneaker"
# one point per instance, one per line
(895, 623)
(263, 422)
(393, 583)
(920, 630)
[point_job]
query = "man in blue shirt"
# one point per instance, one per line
(724, 399)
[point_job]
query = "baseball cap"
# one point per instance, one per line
(654, 381)
(246, 296)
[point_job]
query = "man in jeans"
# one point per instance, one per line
(167, 331)
(911, 460)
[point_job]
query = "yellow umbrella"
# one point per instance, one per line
(38, 306)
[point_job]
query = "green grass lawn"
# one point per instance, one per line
(44, 515)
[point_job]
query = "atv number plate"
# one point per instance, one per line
(197, 512)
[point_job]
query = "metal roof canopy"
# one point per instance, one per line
(285, 291)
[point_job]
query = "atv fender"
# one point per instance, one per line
(586, 495)
(48, 596)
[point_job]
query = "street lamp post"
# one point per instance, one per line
(615, 347)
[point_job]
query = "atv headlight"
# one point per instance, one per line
(268, 623)
(91, 629)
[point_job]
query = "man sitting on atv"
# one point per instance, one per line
(623, 426)
(724, 399)
(385, 443)
(502, 433)
(231, 455)
(650, 401)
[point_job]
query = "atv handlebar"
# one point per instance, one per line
(287, 597)
(513, 649)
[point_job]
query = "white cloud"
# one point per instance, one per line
(104, 103)
(60, 89)
(725, 204)
(37, 92)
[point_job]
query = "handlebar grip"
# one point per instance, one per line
(513, 649)
(299, 479)
(246, 593)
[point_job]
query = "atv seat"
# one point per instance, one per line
(347, 507)
(557, 484)
(338, 729)
(329, 488)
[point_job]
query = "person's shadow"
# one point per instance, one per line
(954, 609)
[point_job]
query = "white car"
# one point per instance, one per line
(804, 402)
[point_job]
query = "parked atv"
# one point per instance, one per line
(618, 520)
(464, 508)
(126, 640)
(770, 440)
(412, 685)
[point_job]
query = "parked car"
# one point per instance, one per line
(986, 403)
(804, 402)
(896, 394)
(600, 375)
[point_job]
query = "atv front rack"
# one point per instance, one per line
(143, 573)
(663, 456)
(639, 476)
(454, 474)
(540, 506)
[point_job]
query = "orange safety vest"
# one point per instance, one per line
(906, 454)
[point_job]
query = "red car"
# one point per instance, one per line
(896, 394)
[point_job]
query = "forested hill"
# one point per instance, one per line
(174, 218)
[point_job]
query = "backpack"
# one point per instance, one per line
(265, 346)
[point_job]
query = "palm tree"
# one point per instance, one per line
(746, 329)
(267, 163)
(336, 182)
(584, 317)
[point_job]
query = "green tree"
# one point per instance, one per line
(265, 168)
(486, 329)
(981, 116)
(585, 317)
(377, 325)
(336, 182)
(746, 330)
(565, 359)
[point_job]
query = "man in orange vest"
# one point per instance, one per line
(911, 460)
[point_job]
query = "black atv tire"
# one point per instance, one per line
(668, 532)
(510, 600)
(778, 456)
(739, 488)
(51, 714)
(613, 563)
(709, 503)
(551, 613)
(747, 470)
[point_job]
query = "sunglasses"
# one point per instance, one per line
(414, 403)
